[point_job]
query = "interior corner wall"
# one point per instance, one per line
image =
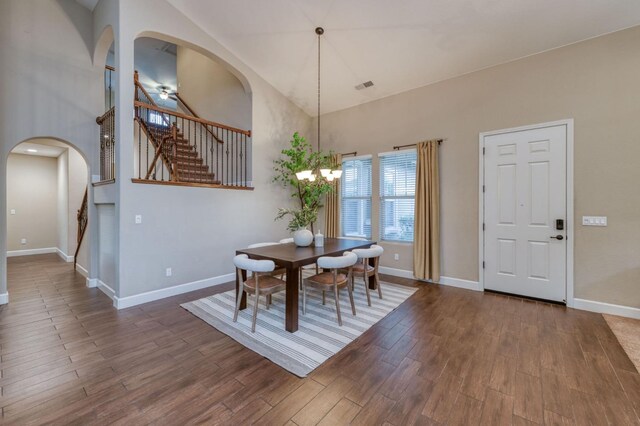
(595, 82)
(32, 190)
(63, 203)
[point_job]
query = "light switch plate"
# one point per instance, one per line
(594, 220)
(23, 241)
(138, 219)
(13, 211)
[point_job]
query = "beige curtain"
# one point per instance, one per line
(332, 206)
(426, 238)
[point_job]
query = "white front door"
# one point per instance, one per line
(525, 212)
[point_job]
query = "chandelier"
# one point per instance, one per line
(327, 174)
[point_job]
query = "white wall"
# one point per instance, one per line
(63, 203)
(193, 230)
(49, 85)
(107, 245)
(32, 193)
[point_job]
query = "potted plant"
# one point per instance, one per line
(308, 194)
(300, 220)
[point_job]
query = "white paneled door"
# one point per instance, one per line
(525, 212)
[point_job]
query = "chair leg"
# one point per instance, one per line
(304, 298)
(255, 311)
(324, 299)
(335, 295)
(239, 297)
(378, 285)
(268, 301)
(353, 304)
(366, 288)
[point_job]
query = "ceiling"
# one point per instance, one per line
(89, 4)
(43, 148)
(399, 45)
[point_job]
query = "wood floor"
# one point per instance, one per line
(446, 356)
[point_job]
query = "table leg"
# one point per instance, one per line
(243, 303)
(372, 278)
(291, 315)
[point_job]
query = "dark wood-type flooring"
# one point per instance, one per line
(445, 356)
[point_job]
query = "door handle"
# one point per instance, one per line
(558, 237)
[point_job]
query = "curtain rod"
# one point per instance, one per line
(348, 154)
(397, 147)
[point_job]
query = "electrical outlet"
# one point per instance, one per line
(23, 241)
(168, 272)
(138, 219)
(396, 256)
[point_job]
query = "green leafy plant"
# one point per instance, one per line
(309, 195)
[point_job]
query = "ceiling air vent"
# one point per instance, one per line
(364, 85)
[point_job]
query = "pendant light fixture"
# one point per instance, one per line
(327, 174)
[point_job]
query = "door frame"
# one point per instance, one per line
(568, 123)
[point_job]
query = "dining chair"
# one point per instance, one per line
(286, 240)
(261, 282)
(305, 267)
(276, 272)
(364, 269)
(332, 279)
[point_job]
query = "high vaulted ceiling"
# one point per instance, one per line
(397, 44)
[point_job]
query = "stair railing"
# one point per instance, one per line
(107, 123)
(83, 221)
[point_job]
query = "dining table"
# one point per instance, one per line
(292, 258)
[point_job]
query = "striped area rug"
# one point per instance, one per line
(318, 337)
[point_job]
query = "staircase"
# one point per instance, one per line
(179, 155)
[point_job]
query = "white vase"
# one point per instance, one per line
(303, 237)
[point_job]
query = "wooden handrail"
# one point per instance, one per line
(83, 220)
(192, 112)
(109, 67)
(104, 116)
(190, 117)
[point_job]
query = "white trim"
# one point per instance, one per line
(82, 270)
(568, 123)
(64, 256)
(107, 290)
(396, 152)
(402, 273)
(4, 298)
(448, 281)
(31, 252)
(91, 282)
(460, 283)
(606, 308)
(150, 296)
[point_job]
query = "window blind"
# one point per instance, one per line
(355, 200)
(397, 195)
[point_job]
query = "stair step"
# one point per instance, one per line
(192, 167)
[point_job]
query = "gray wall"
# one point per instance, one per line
(594, 82)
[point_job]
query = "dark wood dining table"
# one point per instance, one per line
(292, 258)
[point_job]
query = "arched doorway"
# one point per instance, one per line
(47, 205)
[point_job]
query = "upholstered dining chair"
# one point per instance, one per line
(276, 272)
(261, 282)
(286, 240)
(305, 267)
(365, 270)
(332, 280)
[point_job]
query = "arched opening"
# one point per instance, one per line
(193, 116)
(48, 207)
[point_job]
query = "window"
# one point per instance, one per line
(158, 118)
(397, 195)
(356, 197)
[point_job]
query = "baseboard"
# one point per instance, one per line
(150, 296)
(64, 256)
(460, 283)
(82, 270)
(4, 298)
(606, 308)
(107, 290)
(448, 281)
(402, 273)
(31, 252)
(91, 282)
